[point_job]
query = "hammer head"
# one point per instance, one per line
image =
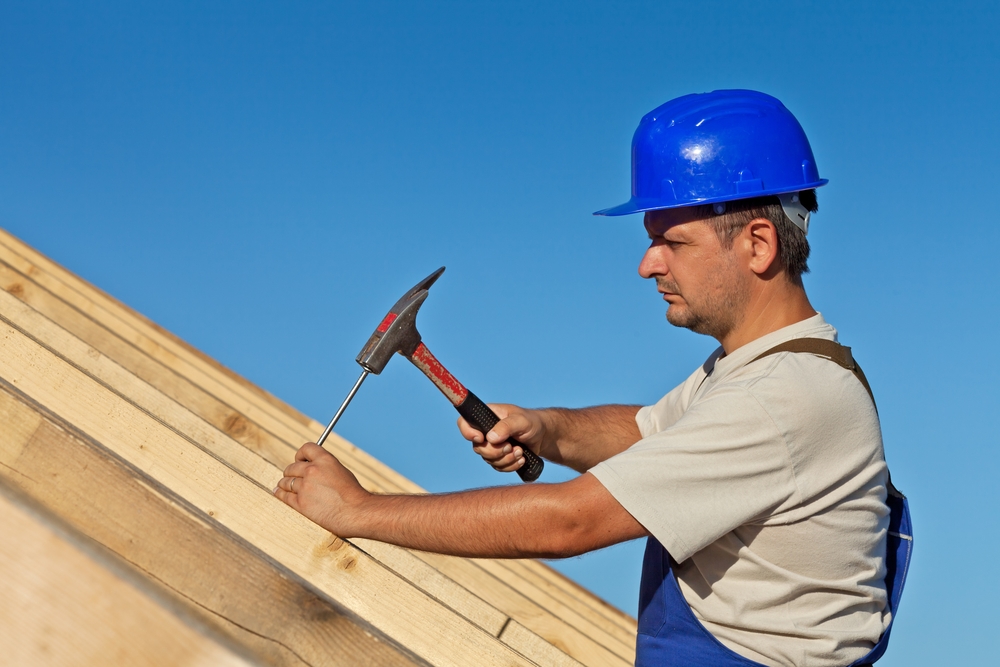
(398, 330)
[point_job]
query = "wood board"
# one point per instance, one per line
(557, 610)
(67, 606)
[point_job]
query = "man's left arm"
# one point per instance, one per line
(524, 521)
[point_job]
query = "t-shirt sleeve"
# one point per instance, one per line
(654, 418)
(721, 465)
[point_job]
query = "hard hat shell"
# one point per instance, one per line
(716, 147)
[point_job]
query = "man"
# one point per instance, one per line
(760, 481)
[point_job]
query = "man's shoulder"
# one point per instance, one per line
(799, 386)
(799, 377)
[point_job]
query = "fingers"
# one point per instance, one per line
(515, 425)
(313, 465)
(510, 462)
(471, 434)
(294, 475)
(513, 467)
(512, 422)
(287, 484)
(286, 491)
(310, 452)
(495, 447)
(505, 457)
(297, 469)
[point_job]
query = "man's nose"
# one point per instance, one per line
(653, 263)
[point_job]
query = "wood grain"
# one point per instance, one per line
(526, 590)
(212, 577)
(143, 396)
(227, 502)
(64, 608)
(415, 568)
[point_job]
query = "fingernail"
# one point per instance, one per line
(518, 454)
(492, 436)
(506, 449)
(275, 490)
(520, 462)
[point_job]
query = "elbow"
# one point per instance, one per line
(568, 538)
(576, 517)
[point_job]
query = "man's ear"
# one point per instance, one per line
(761, 238)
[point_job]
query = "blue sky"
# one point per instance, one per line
(265, 179)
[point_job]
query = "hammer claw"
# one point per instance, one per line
(424, 284)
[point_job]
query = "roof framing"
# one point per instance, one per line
(82, 372)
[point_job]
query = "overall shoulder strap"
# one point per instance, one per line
(899, 545)
(835, 352)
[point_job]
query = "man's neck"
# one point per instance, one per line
(775, 305)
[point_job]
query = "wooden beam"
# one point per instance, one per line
(212, 577)
(227, 501)
(272, 438)
(63, 606)
(412, 565)
(533, 589)
(217, 444)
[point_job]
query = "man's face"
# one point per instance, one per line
(699, 278)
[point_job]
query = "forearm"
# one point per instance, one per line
(582, 438)
(536, 521)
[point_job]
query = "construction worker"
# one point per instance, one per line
(774, 534)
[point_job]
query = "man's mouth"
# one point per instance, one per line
(668, 293)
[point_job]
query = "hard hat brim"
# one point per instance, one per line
(641, 205)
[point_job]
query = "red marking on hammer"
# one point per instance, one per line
(439, 375)
(389, 319)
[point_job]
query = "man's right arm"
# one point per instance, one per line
(579, 439)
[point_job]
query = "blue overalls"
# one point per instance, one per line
(671, 636)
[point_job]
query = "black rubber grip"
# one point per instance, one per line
(482, 418)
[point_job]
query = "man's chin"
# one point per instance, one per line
(685, 319)
(680, 317)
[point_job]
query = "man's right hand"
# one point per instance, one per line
(579, 438)
(522, 424)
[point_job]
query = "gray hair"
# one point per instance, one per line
(793, 248)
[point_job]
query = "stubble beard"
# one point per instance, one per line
(714, 314)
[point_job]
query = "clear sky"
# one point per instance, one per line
(265, 179)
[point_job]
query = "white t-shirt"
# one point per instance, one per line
(766, 482)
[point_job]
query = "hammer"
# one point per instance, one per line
(398, 333)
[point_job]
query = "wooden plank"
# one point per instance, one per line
(63, 607)
(555, 622)
(53, 338)
(583, 639)
(232, 419)
(621, 639)
(231, 590)
(529, 579)
(137, 330)
(552, 583)
(209, 408)
(516, 634)
(216, 443)
(103, 341)
(373, 595)
(140, 394)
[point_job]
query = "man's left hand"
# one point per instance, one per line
(318, 486)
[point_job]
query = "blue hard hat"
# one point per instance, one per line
(717, 147)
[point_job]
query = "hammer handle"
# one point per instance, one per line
(479, 415)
